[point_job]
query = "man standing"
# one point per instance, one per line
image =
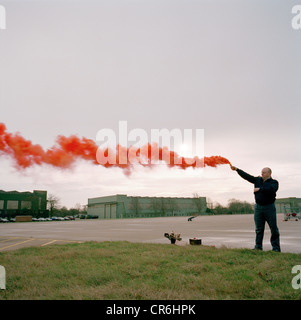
(265, 189)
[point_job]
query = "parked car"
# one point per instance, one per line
(3, 220)
(91, 216)
(88, 216)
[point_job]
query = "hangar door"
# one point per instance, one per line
(110, 211)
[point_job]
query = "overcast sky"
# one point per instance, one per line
(232, 68)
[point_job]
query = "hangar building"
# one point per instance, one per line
(122, 206)
(14, 203)
(292, 203)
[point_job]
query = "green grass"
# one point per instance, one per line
(122, 270)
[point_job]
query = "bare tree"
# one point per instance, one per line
(53, 203)
(199, 202)
(236, 206)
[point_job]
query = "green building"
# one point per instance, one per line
(122, 206)
(283, 205)
(13, 203)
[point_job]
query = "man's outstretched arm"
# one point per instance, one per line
(243, 174)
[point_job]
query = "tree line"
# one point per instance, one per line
(56, 209)
(234, 207)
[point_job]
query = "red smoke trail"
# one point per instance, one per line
(62, 155)
(68, 149)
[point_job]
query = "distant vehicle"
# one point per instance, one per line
(62, 218)
(90, 216)
(34, 219)
(3, 220)
(293, 213)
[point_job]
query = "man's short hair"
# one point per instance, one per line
(269, 170)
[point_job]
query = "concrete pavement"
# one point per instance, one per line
(232, 231)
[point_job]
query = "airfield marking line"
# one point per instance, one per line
(76, 241)
(63, 240)
(45, 244)
(13, 245)
(20, 237)
(8, 239)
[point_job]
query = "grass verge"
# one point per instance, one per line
(132, 271)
